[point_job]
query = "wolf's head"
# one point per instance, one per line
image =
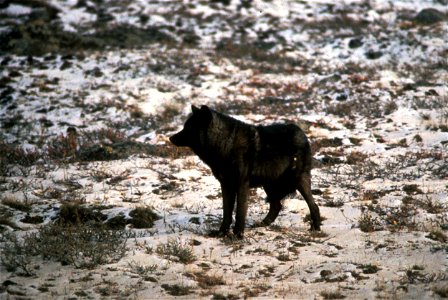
(196, 124)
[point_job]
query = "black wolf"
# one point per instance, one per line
(276, 157)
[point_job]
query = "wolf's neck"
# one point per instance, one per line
(223, 137)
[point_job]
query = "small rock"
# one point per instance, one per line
(373, 54)
(195, 220)
(355, 43)
(96, 72)
(431, 92)
(196, 243)
(429, 16)
(15, 73)
(342, 97)
(8, 283)
(65, 65)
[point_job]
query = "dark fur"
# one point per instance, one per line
(276, 157)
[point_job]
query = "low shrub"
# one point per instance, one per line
(143, 217)
(368, 223)
(83, 246)
(174, 248)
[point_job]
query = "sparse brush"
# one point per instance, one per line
(356, 157)
(390, 107)
(62, 146)
(84, 246)
(400, 217)
(17, 204)
(74, 214)
(284, 256)
(334, 202)
(104, 135)
(438, 235)
(174, 248)
(6, 221)
(168, 150)
(176, 289)
(368, 223)
(169, 112)
(413, 276)
(142, 270)
(431, 206)
(143, 217)
(13, 154)
(16, 255)
(32, 219)
(217, 296)
(412, 189)
(441, 290)
(369, 268)
(100, 175)
(206, 281)
(255, 290)
(332, 295)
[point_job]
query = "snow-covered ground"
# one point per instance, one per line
(367, 81)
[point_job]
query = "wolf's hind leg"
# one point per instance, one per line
(275, 195)
(241, 209)
(274, 209)
(305, 189)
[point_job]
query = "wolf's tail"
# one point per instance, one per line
(307, 159)
(303, 158)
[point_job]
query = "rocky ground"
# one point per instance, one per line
(96, 203)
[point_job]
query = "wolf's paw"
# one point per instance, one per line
(267, 222)
(315, 227)
(263, 223)
(218, 233)
(238, 234)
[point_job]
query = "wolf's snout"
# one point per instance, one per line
(176, 139)
(173, 139)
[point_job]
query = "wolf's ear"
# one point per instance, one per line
(206, 113)
(205, 108)
(194, 108)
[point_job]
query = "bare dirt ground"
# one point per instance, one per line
(95, 202)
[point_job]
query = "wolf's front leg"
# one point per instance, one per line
(241, 208)
(228, 203)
